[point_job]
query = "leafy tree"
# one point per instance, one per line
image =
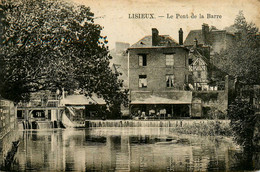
(242, 59)
(50, 44)
(243, 121)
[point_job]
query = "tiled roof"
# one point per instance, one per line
(192, 35)
(165, 40)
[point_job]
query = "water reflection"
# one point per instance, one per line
(124, 149)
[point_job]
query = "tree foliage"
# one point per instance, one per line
(242, 59)
(50, 44)
(243, 121)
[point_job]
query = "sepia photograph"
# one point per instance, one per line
(128, 85)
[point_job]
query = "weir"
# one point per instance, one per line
(37, 125)
(45, 124)
(133, 123)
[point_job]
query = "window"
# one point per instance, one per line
(169, 81)
(199, 74)
(169, 59)
(142, 60)
(190, 61)
(142, 81)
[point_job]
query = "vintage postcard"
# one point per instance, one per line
(128, 85)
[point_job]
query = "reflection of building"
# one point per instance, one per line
(142, 149)
(158, 76)
(122, 149)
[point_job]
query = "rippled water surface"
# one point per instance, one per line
(124, 149)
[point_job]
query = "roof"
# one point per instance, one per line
(192, 35)
(165, 40)
(196, 54)
(198, 35)
(174, 97)
(82, 100)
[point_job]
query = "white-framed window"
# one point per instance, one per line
(169, 59)
(142, 81)
(169, 81)
(142, 59)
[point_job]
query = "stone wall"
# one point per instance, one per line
(156, 68)
(211, 101)
(7, 117)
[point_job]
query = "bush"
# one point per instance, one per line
(243, 121)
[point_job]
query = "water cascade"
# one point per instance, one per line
(131, 123)
(45, 124)
(38, 125)
(158, 123)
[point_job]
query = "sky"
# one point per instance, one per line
(113, 15)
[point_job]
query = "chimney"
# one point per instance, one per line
(205, 33)
(180, 37)
(155, 37)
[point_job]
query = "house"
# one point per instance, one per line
(119, 61)
(79, 107)
(158, 73)
(42, 111)
(171, 80)
(211, 37)
(209, 85)
(198, 67)
(204, 75)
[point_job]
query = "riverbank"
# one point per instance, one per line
(6, 147)
(182, 126)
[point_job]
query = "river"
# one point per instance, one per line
(123, 149)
